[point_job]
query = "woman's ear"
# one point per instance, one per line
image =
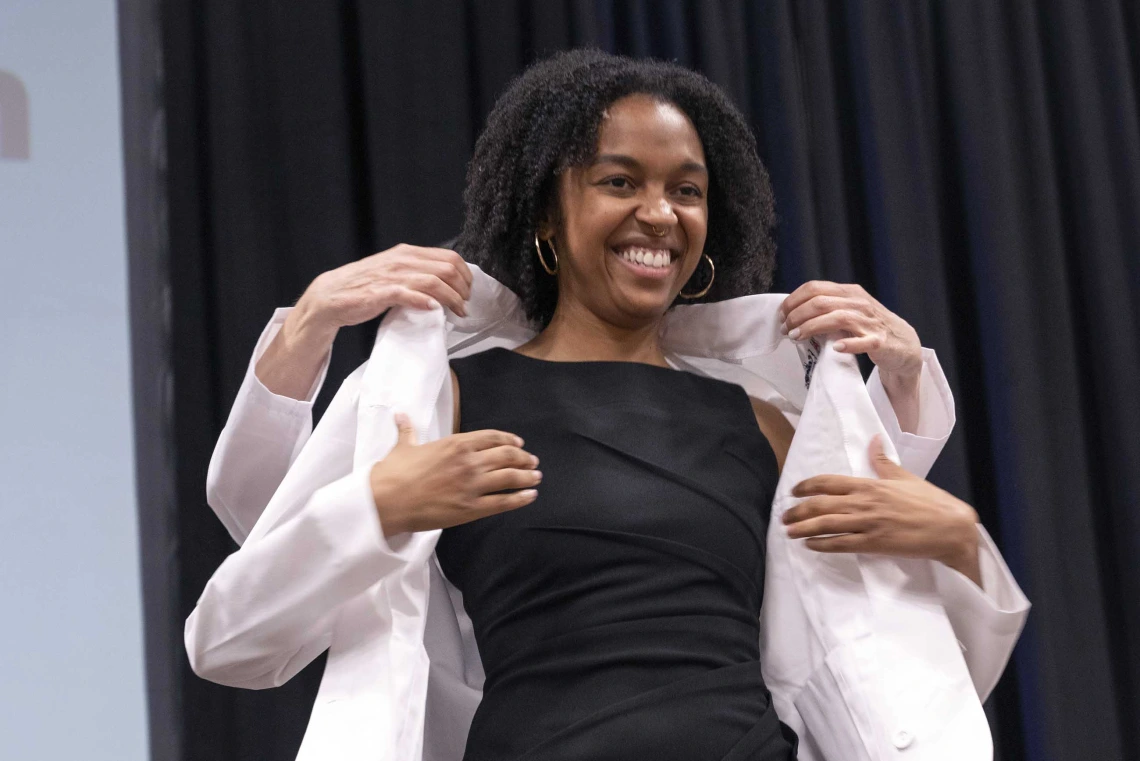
(548, 223)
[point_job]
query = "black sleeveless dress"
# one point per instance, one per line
(617, 615)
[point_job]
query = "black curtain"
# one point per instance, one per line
(975, 164)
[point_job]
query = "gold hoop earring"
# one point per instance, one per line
(658, 233)
(712, 277)
(541, 260)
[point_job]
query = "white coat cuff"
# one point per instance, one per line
(267, 410)
(347, 515)
(988, 620)
(936, 418)
(999, 601)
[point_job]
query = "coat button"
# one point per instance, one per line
(902, 739)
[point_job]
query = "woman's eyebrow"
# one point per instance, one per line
(616, 158)
(631, 163)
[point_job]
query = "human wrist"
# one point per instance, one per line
(307, 330)
(903, 392)
(902, 384)
(963, 554)
(386, 507)
(292, 362)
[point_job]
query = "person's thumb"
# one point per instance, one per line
(884, 466)
(405, 431)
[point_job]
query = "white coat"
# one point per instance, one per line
(866, 657)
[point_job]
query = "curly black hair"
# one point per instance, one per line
(547, 120)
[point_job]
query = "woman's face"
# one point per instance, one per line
(649, 172)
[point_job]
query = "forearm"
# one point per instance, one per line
(293, 359)
(263, 434)
(967, 562)
(903, 390)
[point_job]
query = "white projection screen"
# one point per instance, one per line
(72, 674)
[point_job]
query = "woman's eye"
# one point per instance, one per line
(620, 183)
(690, 190)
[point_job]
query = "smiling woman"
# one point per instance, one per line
(656, 656)
(611, 605)
(586, 133)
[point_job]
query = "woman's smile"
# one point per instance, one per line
(648, 261)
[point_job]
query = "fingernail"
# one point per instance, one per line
(534, 460)
(530, 493)
(840, 346)
(537, 476)
(784, 328)
(518, 441)
(794, 333)
(433, 304)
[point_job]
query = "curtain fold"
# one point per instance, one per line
(975, 165)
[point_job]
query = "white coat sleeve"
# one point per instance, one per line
(261, 438)
(987, 620)
(270, 607)
(936, 418)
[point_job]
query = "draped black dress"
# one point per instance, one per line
(617, 615)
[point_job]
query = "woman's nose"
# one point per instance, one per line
(657, 212)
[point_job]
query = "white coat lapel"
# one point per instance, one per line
(406, 372)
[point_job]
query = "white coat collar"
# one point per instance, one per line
(732, 331)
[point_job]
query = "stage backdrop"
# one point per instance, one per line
(71, 673)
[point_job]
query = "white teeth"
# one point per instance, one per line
(646, 257)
